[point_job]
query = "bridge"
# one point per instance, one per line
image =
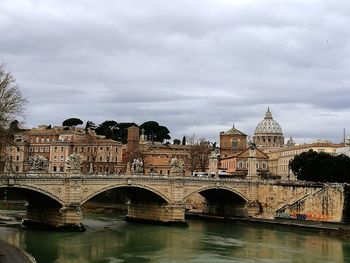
(57, 200)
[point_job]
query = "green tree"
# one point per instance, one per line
(90, 125)
(72, 122)
(321, 167)
(177, 142)
(155, 132)
(114, 130)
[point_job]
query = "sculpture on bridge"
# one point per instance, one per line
(177, 167)
(74, 162)
(137, 166)
(38, 163)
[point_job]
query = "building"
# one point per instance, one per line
(98, 154)
(156, 156)
(234, 154)
(346, 149)
(279, 159)
(238, 164)
(232, 141)
(268, 134)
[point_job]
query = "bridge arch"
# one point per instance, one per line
(20, 188)
(156, 193)
(206, 188)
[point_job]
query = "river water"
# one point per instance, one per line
(110, 239)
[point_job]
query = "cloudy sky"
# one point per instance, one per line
(194, 66)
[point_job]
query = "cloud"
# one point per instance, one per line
(194, 66)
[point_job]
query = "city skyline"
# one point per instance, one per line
(195, 67)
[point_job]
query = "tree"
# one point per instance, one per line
(90, 125)
(72, 122)
(114, 130)
(177, 142)
(155, 132)
(11, 106)
(198, 153)
(183, 140)
(321, 167)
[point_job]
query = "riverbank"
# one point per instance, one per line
(12, 254)
(340, 230)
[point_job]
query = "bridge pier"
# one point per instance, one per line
(167, 214)
(62, 218)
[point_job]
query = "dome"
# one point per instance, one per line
(290, 142)
(268, 125)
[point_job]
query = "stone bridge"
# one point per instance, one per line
(56, 200)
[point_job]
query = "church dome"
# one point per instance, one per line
(268, 125)
(268, 134)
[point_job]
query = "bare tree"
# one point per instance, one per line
(198, 153)
(11, 105)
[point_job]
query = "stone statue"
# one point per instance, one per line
(137, 166)
(74, 161)
(177, 167)
(38, 163)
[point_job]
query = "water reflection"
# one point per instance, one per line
(110, 239)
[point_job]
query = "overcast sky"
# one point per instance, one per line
(193, 66)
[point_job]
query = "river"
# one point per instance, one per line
(110, 239)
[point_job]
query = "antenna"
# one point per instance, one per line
(344, 136)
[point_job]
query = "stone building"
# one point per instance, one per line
(238, 163)
(232, 141)
(156, 156)
(346, 148)
(98, 154)
(268, 134)
(279, 159)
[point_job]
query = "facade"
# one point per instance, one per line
(238, 164)
(232, 141)
(98, 154)
(268, 134)
(346, 149)
(156, 156)
(279, 159)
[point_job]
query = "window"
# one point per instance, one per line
(61, 169)
(37, 139)
(234, 144)
(55, 168)
(55, 149)
(62, 158)
(47, 149)
(30, 149)
(62, 149)
(107, 149)
(17, 168)
(160, 172)
(116, 149)
(17, 157)
(17, 149)
(42, 139)
(101, 158)
(41, 149)
(116, 159)
(101, 148)
(36, 149)
(47, 139)
(55, 158)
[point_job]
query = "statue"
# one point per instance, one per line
(38, 163)
(177, 167)
(74, 162)
(137, 166)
